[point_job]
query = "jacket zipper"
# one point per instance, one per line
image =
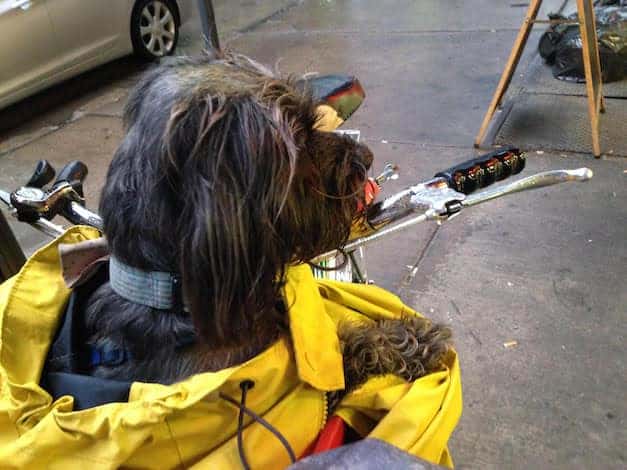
(325, 415)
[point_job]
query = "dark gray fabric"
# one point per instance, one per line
(367, 454)
(65, 369)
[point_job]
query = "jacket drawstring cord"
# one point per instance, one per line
(245, 386)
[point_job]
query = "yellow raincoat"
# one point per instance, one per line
(187, 424)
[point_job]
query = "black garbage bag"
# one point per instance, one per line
(561, 46)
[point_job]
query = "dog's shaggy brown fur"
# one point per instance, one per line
(223, 178)
(409, 347)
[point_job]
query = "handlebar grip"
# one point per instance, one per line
(480, 172)
(74, 173)
(43, 174)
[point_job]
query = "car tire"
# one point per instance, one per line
(154, 28)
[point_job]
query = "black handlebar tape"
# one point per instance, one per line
(74, 173)
(482, 171)
(43, 174)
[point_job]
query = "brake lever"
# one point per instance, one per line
(435, 200)
(546, 178)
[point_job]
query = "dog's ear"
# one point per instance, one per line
(232, 187)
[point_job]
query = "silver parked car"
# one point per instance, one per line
(47, 41)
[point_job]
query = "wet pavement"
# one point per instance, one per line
(541, 272)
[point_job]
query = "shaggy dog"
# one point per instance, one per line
(223, 178)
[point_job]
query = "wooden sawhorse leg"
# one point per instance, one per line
(592, 68)
(510, 68)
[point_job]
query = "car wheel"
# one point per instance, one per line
(154, 28)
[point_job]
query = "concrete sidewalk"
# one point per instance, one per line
(543, 272)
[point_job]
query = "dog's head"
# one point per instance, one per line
(223, 177)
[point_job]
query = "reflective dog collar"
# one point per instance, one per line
(156, 289)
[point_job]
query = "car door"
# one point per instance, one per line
(86, 30)
(27, 48)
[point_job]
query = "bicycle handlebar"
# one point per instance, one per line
(448, 202)
(436, 199)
